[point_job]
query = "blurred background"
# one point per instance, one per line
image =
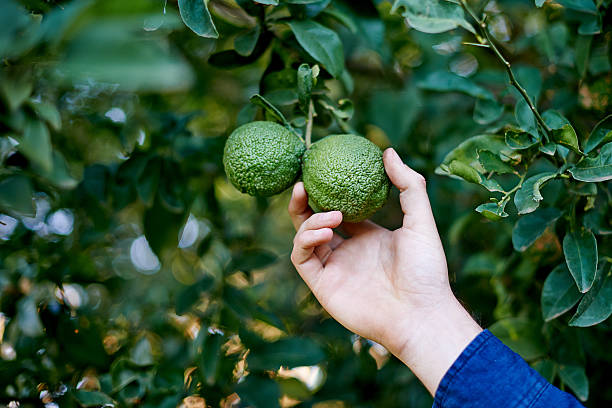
(133, 274)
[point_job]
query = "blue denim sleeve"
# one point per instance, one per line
(488, 374)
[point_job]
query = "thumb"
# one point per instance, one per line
(413, 194)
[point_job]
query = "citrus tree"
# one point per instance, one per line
(132, 273)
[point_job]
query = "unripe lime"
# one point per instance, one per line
(262, 158)
(345, 173)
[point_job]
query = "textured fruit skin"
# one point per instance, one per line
(262, 158)
(345, 173)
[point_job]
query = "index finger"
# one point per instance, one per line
(298, 206)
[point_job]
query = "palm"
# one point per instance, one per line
(376, 263)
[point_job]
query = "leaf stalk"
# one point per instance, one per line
(308, 135)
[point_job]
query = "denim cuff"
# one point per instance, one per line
(488, 374)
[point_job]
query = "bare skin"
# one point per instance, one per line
(388, 286)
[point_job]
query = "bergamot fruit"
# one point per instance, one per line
(262, 158)
(345, 173)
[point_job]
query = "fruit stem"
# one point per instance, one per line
(309, 124)
(482, 26)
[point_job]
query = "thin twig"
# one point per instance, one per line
(309, 124)
(513, 81)
(507, 195)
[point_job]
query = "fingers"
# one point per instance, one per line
(413, 194)
(322, 220)
(298, 206)
(314, 233)
(356, 228)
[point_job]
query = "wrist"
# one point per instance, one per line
(432, 339)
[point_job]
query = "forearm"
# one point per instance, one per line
(430, 346)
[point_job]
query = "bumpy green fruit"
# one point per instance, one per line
(345, 173)
(262, 158)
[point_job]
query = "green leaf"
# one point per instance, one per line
(267, 2)
(601, 134)
(467, 151)
(521, 335)
(433, 16)
(492, 211)
(253, 259)
(59, 176)
(305, 82)
(161, 227)
(595, 169)
(259, 391)
(35, 144)
(548, 148)
(546, 368)
(49, 113)
(525, 118)
(527, 198)
(580, 250)
(465, 171)
(444, 81)
(287, 352)
(92, 398)
(13, 19)
(395, 112)
(302, 1)
(554, 119)
(530, 227)
(196, 16)
(16, 196)
(321, 43)
(559, 293)
(596, 305)
(582, 54)
(294, 388)
(591, 25)
(575, 378)
(148, 181)
(531, 79)
(487, 111)
(28, 320)
(118, 51)
(231, 59)
(210, 355)
(566, 136)
(142, 354)
(186, 298)
(270, 109)
(245, 43)
(15, 91)
(491, 185)
(241, 303)
(585, 6)
(492, 162)
(519, 140)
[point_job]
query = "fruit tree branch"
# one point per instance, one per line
(513, 81)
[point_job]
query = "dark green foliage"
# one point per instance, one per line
(132, 272)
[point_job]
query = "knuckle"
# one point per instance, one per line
(421, 180)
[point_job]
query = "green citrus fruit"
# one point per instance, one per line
(262, 158)
(345, 173)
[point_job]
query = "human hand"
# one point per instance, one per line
(388, 286)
